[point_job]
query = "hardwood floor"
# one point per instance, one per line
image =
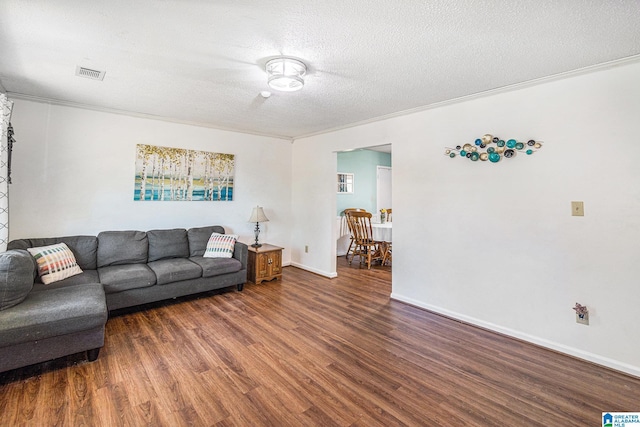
(310, 351)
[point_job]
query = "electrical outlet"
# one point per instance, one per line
(583, 319)
(306, 249)
(577, 208)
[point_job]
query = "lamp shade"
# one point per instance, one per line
(257, 215)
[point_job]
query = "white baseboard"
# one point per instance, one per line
(314, 270)
(594, 358)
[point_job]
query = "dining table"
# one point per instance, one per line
(382, 232)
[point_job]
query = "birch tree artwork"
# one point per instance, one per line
(164, 173)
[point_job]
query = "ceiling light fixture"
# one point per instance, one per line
(285, 74)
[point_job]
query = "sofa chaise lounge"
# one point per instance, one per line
(118, 269)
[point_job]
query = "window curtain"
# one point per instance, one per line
(5, 140)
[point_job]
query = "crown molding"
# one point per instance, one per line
(486, 93)
(53, 101)
(292, 139)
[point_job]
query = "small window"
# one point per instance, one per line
(345, 183)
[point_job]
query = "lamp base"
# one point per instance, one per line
(256, 231)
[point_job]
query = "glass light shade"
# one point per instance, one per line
(257, 215)
(285, 74)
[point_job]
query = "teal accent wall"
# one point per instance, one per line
(362, 164)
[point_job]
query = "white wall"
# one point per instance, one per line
(495, 244)
(74, 169)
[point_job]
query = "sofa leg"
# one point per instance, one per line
(240, 286)
(92, 354)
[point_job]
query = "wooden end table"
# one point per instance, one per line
(264, 263)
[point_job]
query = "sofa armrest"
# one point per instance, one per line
(241, 253)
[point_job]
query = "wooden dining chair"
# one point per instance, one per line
(352, 238)
(387, 249)
(387, 253)
(365, 247)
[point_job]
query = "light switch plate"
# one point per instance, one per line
(577, 208)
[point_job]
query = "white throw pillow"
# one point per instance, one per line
(220, 246)
(55, 262)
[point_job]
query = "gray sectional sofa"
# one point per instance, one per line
(119, 269)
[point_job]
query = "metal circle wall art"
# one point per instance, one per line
(493, 149)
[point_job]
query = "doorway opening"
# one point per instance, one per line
(369, 174)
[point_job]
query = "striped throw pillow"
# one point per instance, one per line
(55, 262)
(220, 246)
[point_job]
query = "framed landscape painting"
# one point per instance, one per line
(164, 173)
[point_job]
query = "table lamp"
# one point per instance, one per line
(257, 216)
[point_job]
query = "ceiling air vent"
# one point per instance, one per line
(89, 73)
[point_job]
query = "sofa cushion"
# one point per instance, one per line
(165, 244)
(16, 277)
(217, 266)
(220, 245)
(52, 313)
(198, 238)
(118, 278)
(87, 276)
(174, 270)
(122, 247)
(84, 248)
(55, 262)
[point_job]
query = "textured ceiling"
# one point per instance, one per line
(202, 62)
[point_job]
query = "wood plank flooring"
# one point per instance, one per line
(310, 351)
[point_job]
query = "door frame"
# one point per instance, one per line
(378, 168)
